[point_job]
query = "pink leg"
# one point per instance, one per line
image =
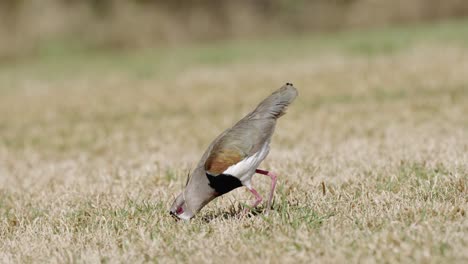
(273, 177)
(258, 198)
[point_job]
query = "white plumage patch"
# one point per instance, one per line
(244, 169)
(184, 216)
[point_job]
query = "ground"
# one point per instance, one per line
(372, 157)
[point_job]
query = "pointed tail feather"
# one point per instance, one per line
(275, 105)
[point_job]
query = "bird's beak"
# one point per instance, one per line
(174, 215)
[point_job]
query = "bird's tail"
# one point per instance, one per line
(275, 105)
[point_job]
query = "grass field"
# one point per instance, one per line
(372, 156)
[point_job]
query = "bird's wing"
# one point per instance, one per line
(239, 150)
(221, 158)
(246, 143)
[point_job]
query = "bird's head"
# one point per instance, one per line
(196, 194)
(181, 209)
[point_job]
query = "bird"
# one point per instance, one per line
(234, 157)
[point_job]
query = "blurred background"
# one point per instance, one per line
(29, 27)
(106, 104)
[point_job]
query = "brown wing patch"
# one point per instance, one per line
(219, 161)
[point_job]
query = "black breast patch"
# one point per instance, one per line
(223, 183)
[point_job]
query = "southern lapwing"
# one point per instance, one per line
(234, 156)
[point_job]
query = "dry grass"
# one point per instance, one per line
(91, 155)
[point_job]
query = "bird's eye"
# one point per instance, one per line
(179, 210)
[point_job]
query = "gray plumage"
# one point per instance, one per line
(230, 152)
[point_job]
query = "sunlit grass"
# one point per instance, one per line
(372, 156)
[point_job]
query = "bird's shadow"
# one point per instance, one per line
(234, 212)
